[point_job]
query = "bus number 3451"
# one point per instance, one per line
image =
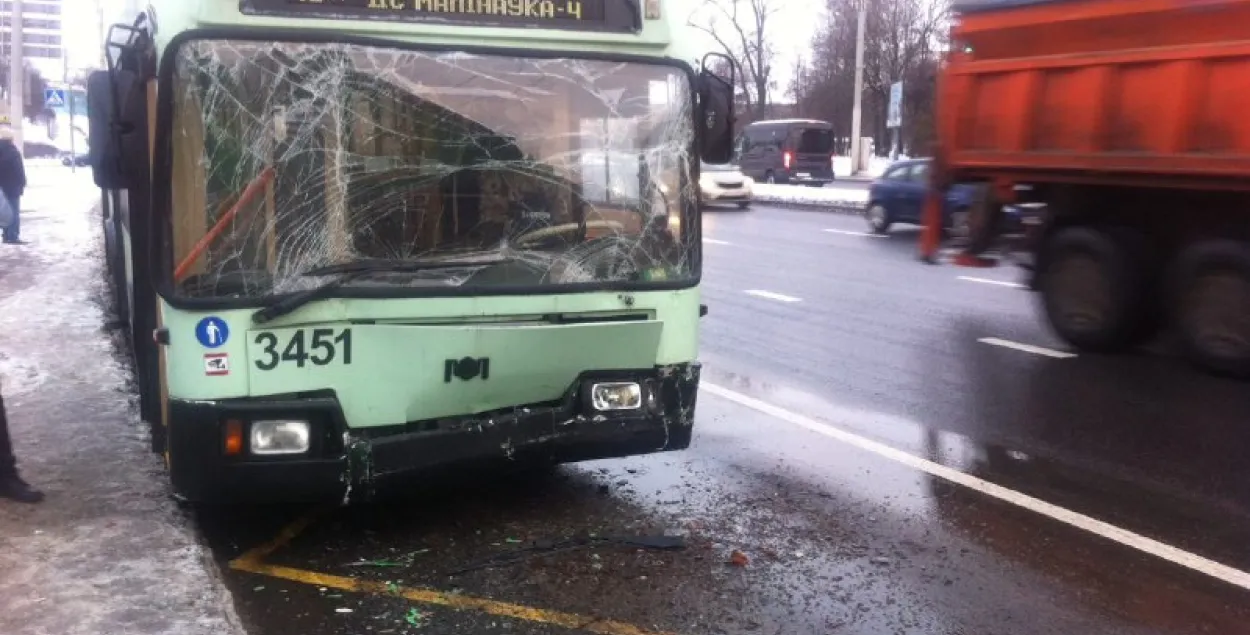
(319, 346)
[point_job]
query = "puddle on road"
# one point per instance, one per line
(1046, 434)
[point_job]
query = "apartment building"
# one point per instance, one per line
(42, 34)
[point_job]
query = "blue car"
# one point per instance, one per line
(898, 197)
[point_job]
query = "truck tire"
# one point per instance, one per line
(1096, 288)
(1209, 306)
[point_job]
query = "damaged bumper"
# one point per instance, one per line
(344, 463)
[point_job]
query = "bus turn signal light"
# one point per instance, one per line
(234, 437)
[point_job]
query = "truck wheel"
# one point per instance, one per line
(1095, 288)
(1209, 298)
(959, 227)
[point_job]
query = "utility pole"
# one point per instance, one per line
(857, 110)
(17, 76)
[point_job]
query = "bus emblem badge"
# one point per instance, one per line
(466, 368)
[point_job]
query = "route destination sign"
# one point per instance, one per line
(582, 15)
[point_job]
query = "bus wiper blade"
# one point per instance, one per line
(297, 300)
(348, 271)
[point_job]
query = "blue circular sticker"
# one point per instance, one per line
(212, 332)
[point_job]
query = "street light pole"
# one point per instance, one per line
(857, 110)
(17, 76)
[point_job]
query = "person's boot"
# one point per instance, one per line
(13, 487)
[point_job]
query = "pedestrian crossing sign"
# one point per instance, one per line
(54, 98)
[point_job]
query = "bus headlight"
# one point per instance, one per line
(279, 437)
(621, 395)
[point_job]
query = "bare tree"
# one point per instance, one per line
(902, 42)
(740, 28)
(35, 85)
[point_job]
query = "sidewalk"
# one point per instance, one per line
(108, 551)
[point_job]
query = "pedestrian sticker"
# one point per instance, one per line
(212, 332)
(216, 364)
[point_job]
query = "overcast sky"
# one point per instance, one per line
(791, 29)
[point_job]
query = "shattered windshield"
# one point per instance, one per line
(290, 158)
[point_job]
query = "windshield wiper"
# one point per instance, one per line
(349, 271)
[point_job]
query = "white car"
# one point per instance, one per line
(724, 184)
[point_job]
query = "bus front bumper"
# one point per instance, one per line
(345, 464)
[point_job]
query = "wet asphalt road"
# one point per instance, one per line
(840, 329)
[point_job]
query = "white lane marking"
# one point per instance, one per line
(1001, 283)
(1027, 348)
(851, 233)
(1194, 562)
(772, 296)
(713, 241)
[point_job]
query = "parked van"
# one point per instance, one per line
(787, 151)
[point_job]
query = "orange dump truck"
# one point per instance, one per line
(1128, 123)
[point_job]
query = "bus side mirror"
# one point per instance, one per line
(117, 104)
(716, 121)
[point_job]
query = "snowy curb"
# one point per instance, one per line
(831, 198)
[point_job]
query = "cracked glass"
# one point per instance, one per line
(429, 169)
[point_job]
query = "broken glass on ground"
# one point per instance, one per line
(546, 547)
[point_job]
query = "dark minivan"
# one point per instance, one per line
(787, 151)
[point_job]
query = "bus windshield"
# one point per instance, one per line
(290, 158)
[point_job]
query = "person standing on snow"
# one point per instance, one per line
(12, 185)
(11, 485)
(12, 182)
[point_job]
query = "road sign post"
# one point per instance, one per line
(58, 98)
(894, 117)
(73, 147)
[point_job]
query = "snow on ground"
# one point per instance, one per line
(802, 195)
(832, 194)
(108, 552)
(46, 183)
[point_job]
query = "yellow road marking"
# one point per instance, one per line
(252, 562)
(284, 538)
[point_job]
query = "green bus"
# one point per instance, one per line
(356, 239)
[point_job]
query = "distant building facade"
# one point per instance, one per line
(43, 32)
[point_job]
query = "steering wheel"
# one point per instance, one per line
(559, 230)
